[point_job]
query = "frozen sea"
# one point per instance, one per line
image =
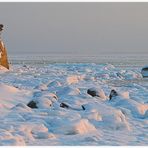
(50, 80)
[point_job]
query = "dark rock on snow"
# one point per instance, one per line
(63, 105)
(32, 104)
(83, 107)
(113, 93)
(92, 92)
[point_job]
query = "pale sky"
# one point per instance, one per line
(75, 27)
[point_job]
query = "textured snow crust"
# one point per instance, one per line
(88, 120)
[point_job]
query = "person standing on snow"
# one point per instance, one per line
(3, 51)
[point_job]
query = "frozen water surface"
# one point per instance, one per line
(55, 79)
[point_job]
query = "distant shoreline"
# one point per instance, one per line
(137, 60)
(76, 53)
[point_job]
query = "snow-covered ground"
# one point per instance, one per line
(87, 120)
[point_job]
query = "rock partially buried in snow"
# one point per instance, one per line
(67, 106)
(63, 105)
(144, 71)
(42, 100)
(92, 92)
(114, 93)
(32, 104)
(95, 92)
(40, 103)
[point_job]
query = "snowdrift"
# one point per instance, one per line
(32, 114)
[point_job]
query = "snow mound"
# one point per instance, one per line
(34, 130)
(109, 67)
(98, 92)
(42, 87)
(124, 94)
(73, 79)
(44, 103)
(143, 108)
(54, 84)
(108, 116)
(68, 91)
(37, 94)
(34, 113)
(21, 107)
(146, 114)
(7, 139)
(3, 69)
(82, 126)
(129, 75)
(93, 115)
(44, 135)
(10, 96)
(51, 96)
(136, 109)
(8, 89)
(116, 120)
